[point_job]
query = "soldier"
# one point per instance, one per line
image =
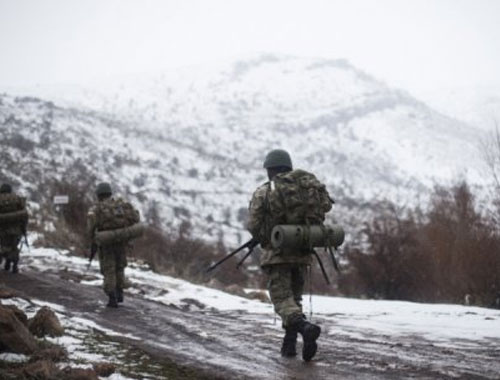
(13, 223)
(106, 215)
(290, 197)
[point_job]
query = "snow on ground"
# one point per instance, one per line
(13, 358)
(442, 324)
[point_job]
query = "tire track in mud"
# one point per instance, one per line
(240, 345)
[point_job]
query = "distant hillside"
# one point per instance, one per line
(191, 142)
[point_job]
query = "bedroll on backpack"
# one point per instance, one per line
(116, 214)
(303, 236)
(14, 217)
(119, 235)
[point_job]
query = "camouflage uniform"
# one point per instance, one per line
(285, 267)
(11, 234)
(112, 258)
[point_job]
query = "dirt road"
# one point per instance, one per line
(237, 345)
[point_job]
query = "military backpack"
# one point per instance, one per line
(11, 202)
(298, 197)
(113, 214)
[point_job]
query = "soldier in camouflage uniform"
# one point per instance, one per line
(285, 268)
(112, 258)
(11, 232)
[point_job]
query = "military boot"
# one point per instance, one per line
(289, 342)
(310, 333)
(14, 267)
(112, 300)
(119, 295)
(7, 265)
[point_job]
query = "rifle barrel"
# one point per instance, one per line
(244, 258)
(213, 266)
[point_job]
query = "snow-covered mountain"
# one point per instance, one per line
(192, 141)
(478, 106)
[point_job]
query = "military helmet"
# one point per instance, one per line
(6, 188)
(276, 158)
(103, 188)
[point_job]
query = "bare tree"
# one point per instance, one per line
(491, 151)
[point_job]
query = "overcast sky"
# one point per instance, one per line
(413, 44)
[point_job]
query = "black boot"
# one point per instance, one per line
(119, 295)
(289, 342)
(310, 333)
(7, 265)
(14, 267)
(112, 300)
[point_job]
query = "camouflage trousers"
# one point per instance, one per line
(112, 261)
(286, 286)
(9, 247)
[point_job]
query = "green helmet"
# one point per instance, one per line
(6, 188)
(276, 158)
(103, 188)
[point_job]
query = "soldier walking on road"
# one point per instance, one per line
(116, 216)
(13, 224)
(290, 197)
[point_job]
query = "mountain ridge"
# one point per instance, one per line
(194, 142)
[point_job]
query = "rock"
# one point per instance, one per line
(194, 302)
(45, 322)
(79, 374)
(261, 296)
(54, 354)
(7, 292)
(18, 313)
(41, 370)
(104, 369)
(216, 284)
(235, 289)
(14, 336)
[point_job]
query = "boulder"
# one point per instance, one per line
(104, 369)
(7, 292)
(18, 313)
(45, 322)
(14, 336)
(235, 289)
(261, 296)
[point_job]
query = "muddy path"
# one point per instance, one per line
(240, 345)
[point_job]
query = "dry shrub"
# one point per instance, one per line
(180, 255)
(440, 256)
(68, 221)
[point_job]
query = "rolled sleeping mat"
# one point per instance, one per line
(303, 236)
(120, 235)
(14, 216)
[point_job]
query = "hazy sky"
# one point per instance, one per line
(413, 44)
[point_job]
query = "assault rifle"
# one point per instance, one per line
(93, 251)
(251, 244)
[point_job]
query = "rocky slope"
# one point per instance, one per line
(191, 142)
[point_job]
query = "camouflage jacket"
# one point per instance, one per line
(92, 222)
(17, 203)
(267, 210)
